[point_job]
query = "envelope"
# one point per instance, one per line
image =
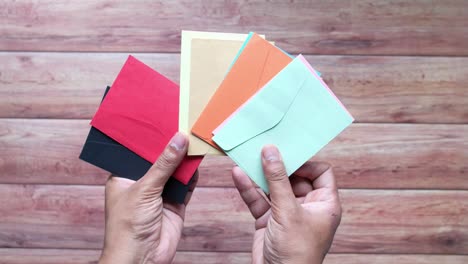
(255, 66)
(141, 112)
(296, 111)
(106, 153)
(206, 57)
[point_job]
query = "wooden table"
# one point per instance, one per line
(401, 67)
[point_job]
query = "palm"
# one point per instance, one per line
(315, 197)
(141, 226)
(173, 225)
(164, 227)
(161, 229)
(257, 247)
(170, 228)
(316, 202)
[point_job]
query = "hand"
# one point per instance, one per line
(299, 223)
(140, 226)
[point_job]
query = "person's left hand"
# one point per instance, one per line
(140, 226)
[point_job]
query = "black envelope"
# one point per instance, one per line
(106, 153)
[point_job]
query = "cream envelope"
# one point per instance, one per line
(205, 59)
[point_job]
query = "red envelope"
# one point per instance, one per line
(141, 112)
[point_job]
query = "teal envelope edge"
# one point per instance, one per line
(295, 111)
(249, 36)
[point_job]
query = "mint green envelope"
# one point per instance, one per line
(295, 111)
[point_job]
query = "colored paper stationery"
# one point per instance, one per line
(106, 153)
(238, 93)
(295, 111)
(205, 59)
(255, 66)
(141, 112)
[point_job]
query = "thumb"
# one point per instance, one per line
(167, 163)
(282, 197)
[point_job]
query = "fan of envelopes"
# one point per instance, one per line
(238, 92)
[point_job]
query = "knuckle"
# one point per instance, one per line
(337, 210)
(336, 214)
(276, 173)
(111, 181)
(167, 160)
(289, 216)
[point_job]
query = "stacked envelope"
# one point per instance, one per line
(237, 96)
(238, 92)
(135, 121)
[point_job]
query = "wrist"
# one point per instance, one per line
(313, 260)
(133, 253)
(120, 252)
(112, 256)
(310, 255)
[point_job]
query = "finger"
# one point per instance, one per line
(115, 186)
(262, 221)
(178, 209)
(256, 203)
(301, 186)
(192, 186)
(320, 173)
(326, 180)
(166, 164)
(281, 193)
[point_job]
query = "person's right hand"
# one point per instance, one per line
(299, 223)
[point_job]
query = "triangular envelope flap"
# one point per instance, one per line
(264, 110)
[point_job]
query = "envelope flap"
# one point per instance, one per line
(253, 125)
(261, 112)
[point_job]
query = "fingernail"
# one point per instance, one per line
(178, 142)
(270, 153)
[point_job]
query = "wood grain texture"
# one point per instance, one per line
(364, 156)
(415, 70)
(48, 256)
(393, 258)
(374, 88)
(410, 222)
(67, 85)
(321, 27)
(70, 256)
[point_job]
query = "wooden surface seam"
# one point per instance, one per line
(374, 89)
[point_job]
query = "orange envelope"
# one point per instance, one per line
(257, 64)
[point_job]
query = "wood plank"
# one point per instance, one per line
(70, 256)
(48, 256)
(364, 156)
(393, 258)
(375, 89)
(391, 221)
(321, 27)
(73, 82)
